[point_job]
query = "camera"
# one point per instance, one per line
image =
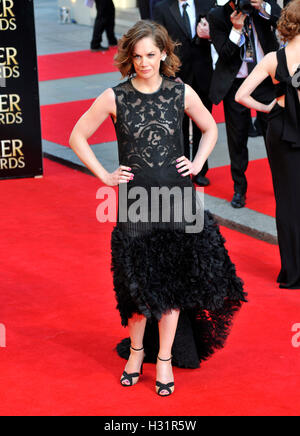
(244, 6)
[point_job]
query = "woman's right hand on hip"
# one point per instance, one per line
(121, 175)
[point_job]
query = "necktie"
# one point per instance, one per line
(186, 20)
(251, 41)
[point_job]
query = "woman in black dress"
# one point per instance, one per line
(283, 140)
(175, 285)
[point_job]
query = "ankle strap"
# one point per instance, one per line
(136, 349)
(165, 360)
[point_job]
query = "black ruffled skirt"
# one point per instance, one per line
(171, 269)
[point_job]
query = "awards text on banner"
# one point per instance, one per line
(20, 124)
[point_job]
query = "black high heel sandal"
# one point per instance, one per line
(130, 377)
(164, 387)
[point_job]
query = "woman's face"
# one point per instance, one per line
(147, 58)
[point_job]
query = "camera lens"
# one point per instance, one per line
(245, 6)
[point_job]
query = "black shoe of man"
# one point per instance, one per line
(201, 180)
(238, 201)
(113, 43)
(98, 49)
(253, 133)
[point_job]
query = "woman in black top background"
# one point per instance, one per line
(283, 138)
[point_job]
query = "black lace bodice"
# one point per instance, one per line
(148, 126)
(150, 139)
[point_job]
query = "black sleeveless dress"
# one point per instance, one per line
(158, 264)
(283, 146)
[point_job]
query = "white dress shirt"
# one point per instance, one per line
(191, 10)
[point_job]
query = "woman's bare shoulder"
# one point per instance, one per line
(270, 61)
(190, 93)
(191, 96)
(106, 100)
(271, 64)
(188, 89)
(108, 95)
(271, 57)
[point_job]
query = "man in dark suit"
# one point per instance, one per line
(195, 55)
(105, 21)
(239, 38)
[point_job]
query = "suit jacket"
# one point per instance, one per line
(195, 55)
(230, 61)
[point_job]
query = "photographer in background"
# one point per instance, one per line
(243, 32)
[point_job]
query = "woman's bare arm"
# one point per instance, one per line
(89, 123)
(196, 110)
(263, 70)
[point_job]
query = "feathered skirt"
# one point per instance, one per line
(163, 270)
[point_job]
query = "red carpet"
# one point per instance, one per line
(58, 121)
(74, 64)
(218, 113)
(260, 195)
(58, 307)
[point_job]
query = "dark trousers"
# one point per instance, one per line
(197, 134)
(145, 9)
(238, 118)
(105, 21)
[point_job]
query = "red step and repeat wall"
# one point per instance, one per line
(20, 123)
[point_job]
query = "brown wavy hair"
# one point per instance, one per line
(289, 22)
(145, 29)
